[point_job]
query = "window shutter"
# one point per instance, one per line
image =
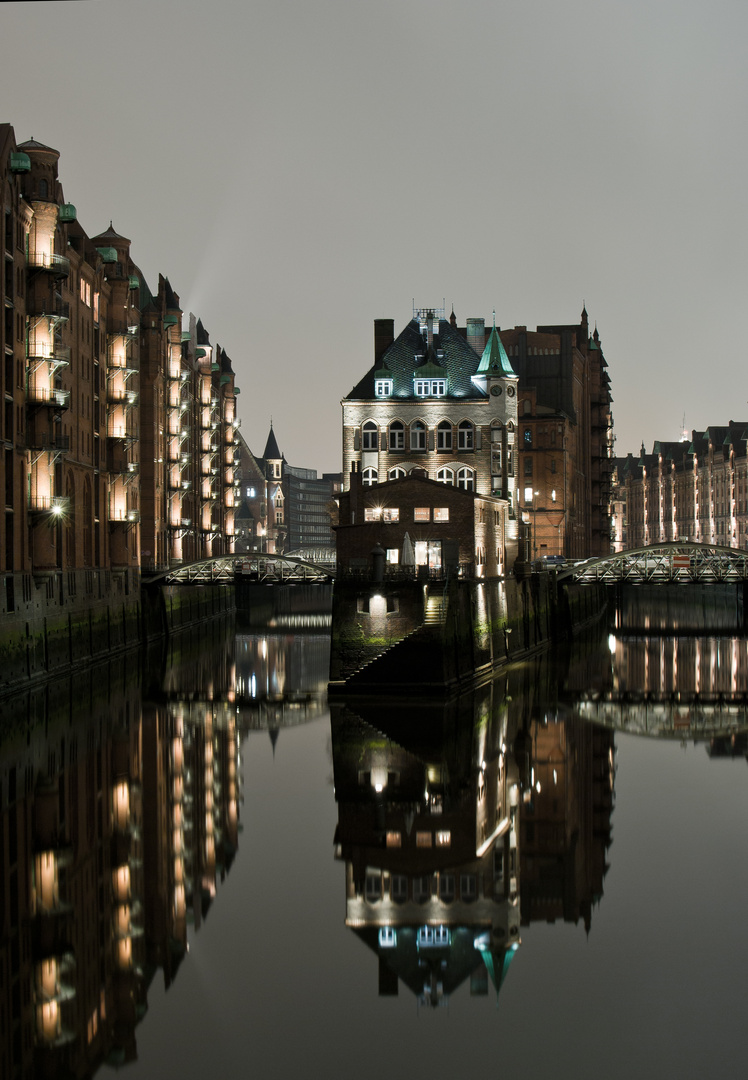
(431, 438)
(356, 439)
(478, 434)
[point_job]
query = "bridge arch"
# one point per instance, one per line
(660, 563)
(223, 569)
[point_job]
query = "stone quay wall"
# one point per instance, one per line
(383, 637)
(55, 623)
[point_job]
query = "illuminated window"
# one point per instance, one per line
(430, 387)
(528, 494)
(423, 839)
(418, 435)
(387, 937)
(370, 438)
(394, 839)
(397, 435)
(391, 513)
(372, 513)
(465, 479)
(383, 387)
(444, 838)
(421, 513)
(373, 887)
(369, 477)
(528, 436)
(398, 888)
(465, 435)
(444, 436)
(441, 513)
(445, 476)
(393, 556)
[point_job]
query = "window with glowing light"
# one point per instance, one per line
(390, 514)
(372, 513)
(441, 513)
(383, 387)
(394, 839)
(421, 513)
(423, 839)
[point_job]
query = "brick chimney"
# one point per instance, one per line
(476, 335)
(384, 335)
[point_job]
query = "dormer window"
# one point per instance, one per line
(383, 387)
(430, 387)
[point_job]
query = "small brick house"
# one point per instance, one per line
(449, 528)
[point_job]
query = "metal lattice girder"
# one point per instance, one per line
(223, 569)
(659, 563)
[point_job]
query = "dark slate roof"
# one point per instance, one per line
(271, 446)
(109, 234)
(408, 352)
(224, 361)
(32, 145)
(170, 298)
(203, 337)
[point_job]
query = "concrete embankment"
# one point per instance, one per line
(412, 636)
(66, 620)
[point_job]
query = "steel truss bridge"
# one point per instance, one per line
(679, 716)
(224, 569)
(662, 563)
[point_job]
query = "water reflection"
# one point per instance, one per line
(120, 794)
(459, 823)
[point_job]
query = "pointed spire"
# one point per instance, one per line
(495, 360)
(453, 317)
(271, 452)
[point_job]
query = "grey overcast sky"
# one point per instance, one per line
(298, 168)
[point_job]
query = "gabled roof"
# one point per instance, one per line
(456, 359)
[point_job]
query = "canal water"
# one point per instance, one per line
(208, 869)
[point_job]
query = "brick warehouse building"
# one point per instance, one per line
(118, 427)
(521, 415)
(694, 489)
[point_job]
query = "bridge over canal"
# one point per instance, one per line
(257, 567)
(663, 563)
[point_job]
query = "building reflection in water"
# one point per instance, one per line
(459, 823)
(119, 817)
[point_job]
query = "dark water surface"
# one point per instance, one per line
(411, 888)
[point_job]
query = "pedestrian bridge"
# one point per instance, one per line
(253, 566)
(662, 563)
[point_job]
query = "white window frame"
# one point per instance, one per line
(465, 435)
(444, 435)
(369, 477)
(369, 436)
(446, 476)
(418, 435)
(466, 479)
(396, 438)
(383, 387)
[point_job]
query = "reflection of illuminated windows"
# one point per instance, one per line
(398, 888)
(423, 839)
(394, 839)
(422, 889)
(447, 888)
(387, 937)
(373, 887)
(444, 838)
(468, 887)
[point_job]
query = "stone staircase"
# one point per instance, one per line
(436, 610)
(409, 661)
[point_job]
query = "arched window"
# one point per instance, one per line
(444, 436)
(418, 435)
(466, 479)
(396, 474)
(369, 477)
(397, 435)
(370, 437)
(465, 435)
(43, 189)
(446, 476)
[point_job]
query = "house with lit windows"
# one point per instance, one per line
(518, 415)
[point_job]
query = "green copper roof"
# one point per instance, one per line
(495, 360)
(430, 370)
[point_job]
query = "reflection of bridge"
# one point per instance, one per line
(666, 716)
(660, 563)
(262, 711)
(253, 566)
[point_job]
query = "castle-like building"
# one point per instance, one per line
(518, 415)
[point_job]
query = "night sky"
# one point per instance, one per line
(299, 169)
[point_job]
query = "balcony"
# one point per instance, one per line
(124, 517)
(59, 444)
(118, 396)
(40, 352)
(43, 260)
(58, 505)
(49, 396)
(46, 308)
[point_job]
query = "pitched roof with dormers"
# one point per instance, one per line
(409, 353)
